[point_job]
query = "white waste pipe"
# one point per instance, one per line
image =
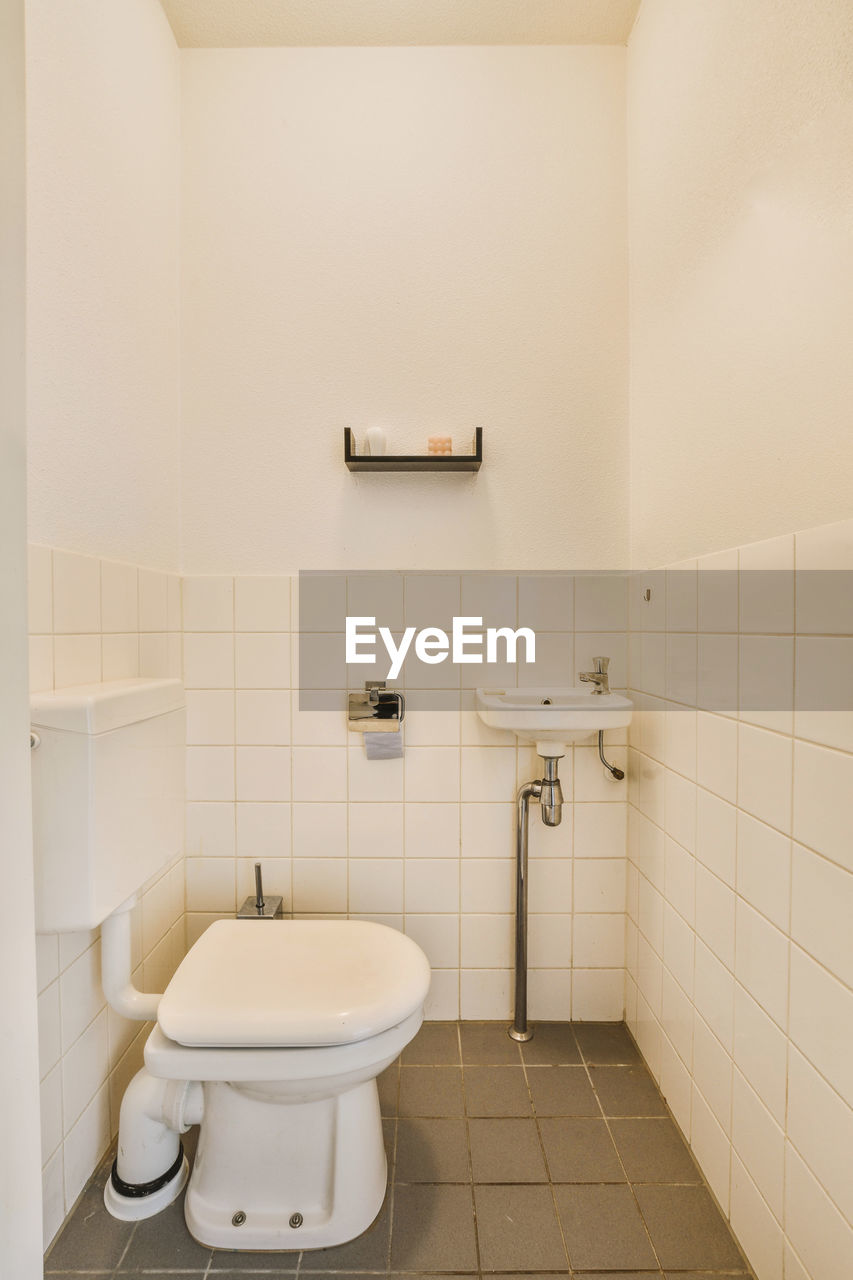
(116, 977)
(151, 1169)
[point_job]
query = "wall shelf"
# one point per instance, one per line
(413, 461)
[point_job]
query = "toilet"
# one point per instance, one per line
(271, 1034)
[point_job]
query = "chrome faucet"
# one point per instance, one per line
(598, 676)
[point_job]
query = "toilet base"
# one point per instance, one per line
(133, 1208)
(273, 1175)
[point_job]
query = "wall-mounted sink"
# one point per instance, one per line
(553, 718)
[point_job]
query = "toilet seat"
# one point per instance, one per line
(293, 984)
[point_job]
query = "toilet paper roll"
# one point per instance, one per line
(383, 746)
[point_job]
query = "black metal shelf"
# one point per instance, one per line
(414, 461)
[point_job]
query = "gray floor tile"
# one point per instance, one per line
(496, 1091)
(164, 1241)
(707, 1275)
(687, 1228)
(368, 1252)
(433, 1229)
(603, 1228)
(653, 1151)
(606, 1042)
(436, 1044)
(627, 1091)
(257, 1270)
(389, 1137)
(562, 1091)
(171, 1275)
(518, 1229)
(388, 1084)
(431, 1091)
(621, 1275)
(487, 1043)
(432, 1150)
(229, 1262)
(506, 1151)
(553, 1044)
(91, 1239)
(580, 1150)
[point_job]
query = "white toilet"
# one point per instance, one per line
(271, 1033)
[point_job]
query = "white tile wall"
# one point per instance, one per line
(94, 620)
(428, 840)
(745, 1009)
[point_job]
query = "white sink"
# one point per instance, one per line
(553, 718)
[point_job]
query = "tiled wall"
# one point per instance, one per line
(91, 620)
(424, 843)
(740, 884)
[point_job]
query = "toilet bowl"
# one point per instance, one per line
(271, 1036)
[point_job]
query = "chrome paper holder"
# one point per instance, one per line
(377, 710)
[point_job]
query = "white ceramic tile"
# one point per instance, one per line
(120, 657)
(208, 604)
(319, 885)
(718, 591)
(428, 727)
(820, 1017)
(488, 773)
(767, 681)
(76, 593)
(81, 994)
(682, 590)
(263, 830)
(757, 1230)
(824, 566)
(438, 938)
(715, 916)
(677, 1016)
(431, 885)
(51, 1113)
(491, 596)
(154, 655)
(210, 773)
(824, 693)
(377, 595)
(821, 905)
(597, 644)
(319, 830)
(262, 660)
(432, 830)
(85, 1144)
(487, 830)
(714, 994)
(153, 600)
(712, 1073)
(678, 948)
(208, 661)
(319, 774)
(760, 1051)
(376, 831)
(174, 607)
(487, 941)
(276, 879)
(49, 1029)
(432, 600)
(767, 586)
(759, 1142)
(485, 993)
(716, 755)
(676, 1086)
(76, 660)
(432, 773)
(210, 717)
(318, 601)
(376, 779)
(210, 830)
(680, 880)
(681, 669)
(318, 661)
(599, 830)
(764, 869)
(712, 1149)
(376, 884)
(680, 810)
(650, 915)
(41, 663)
(263, 773)
(316, 726)
(39, 590)
(157, 914)
(210, 884)
(84, 1068)
(546, 602)
(716, 835)
(554, 662)
(550, 884)
(820, 1125)
(817, 1231)
(262, 604)
(598, 942)
(599, 884)
(591, 780)
(442, 1000)
(823, 796)
(601, 602)
(650, 983)
(762, 962)
(119, 597)
(717, 673)
(680, 740)
(488, 886)
(764, 776)
(47, 959)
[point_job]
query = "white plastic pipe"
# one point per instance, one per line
(116, 977)
(147, 1146)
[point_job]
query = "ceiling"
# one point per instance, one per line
(252, 23)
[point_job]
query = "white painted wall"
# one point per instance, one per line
(20, 1187)
(740, 150)
(429, 239)
(103, 154)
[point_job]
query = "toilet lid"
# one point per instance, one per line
(294, 982)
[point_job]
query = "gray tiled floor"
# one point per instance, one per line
(554, 1158)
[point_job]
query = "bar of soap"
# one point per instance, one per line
(440, 444)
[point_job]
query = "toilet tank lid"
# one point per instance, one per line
(97, 708)
(295, 983)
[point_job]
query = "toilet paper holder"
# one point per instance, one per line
(377, 710)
